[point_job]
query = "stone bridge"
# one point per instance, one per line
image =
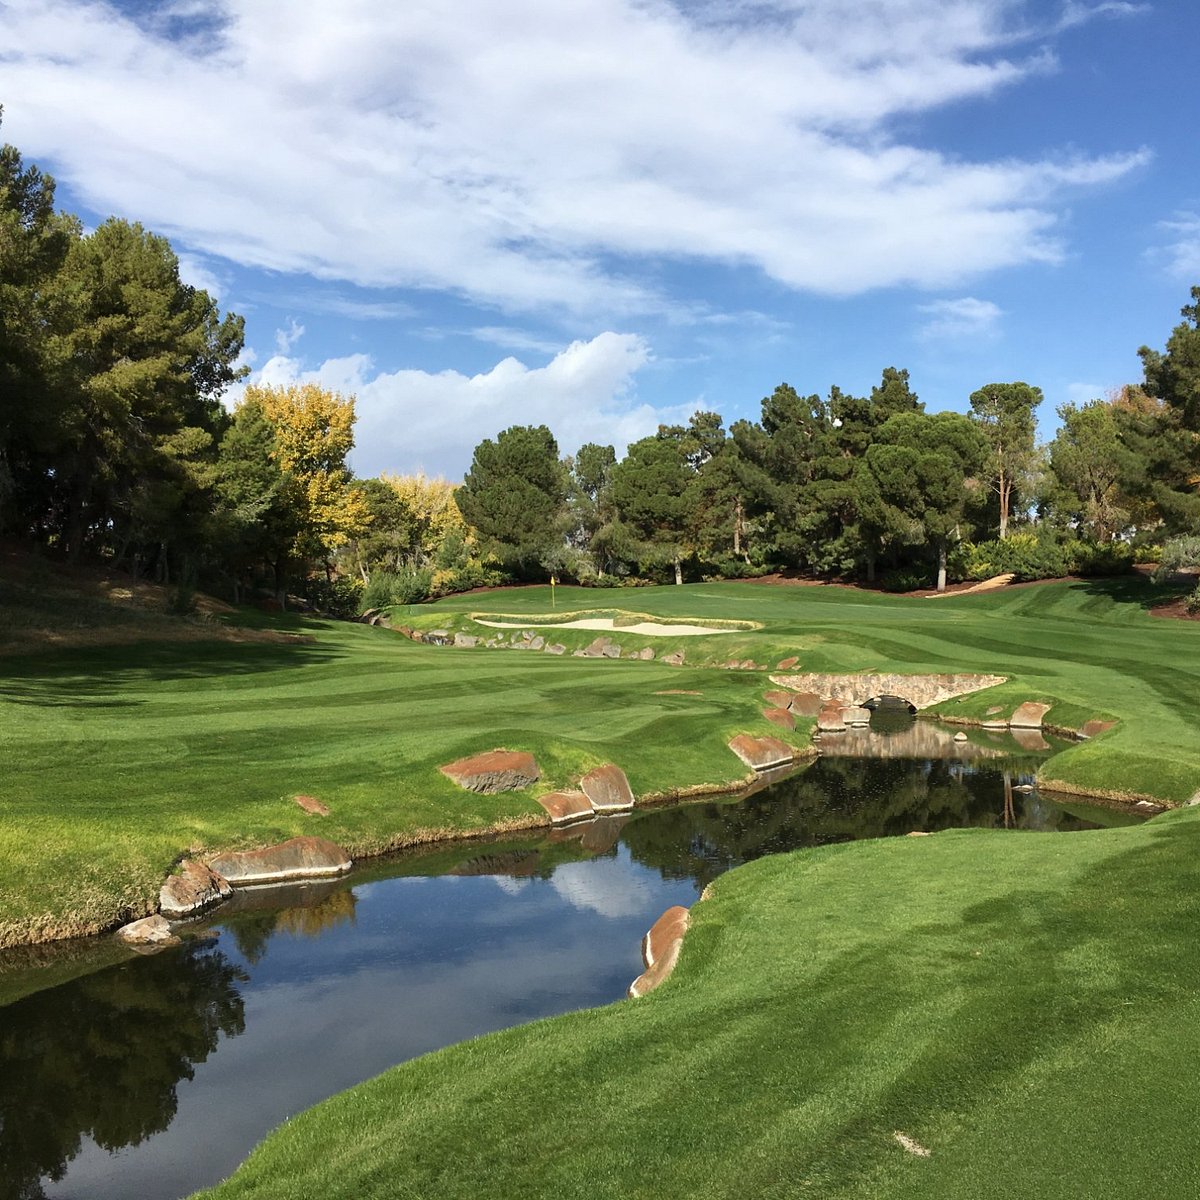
(919, 691)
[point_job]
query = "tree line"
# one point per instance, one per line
(115, 443)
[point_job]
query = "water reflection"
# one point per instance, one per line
(336, 980)
(102, 1057)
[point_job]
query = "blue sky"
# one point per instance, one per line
(602, 214)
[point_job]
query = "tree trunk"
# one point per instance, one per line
(941, 578)
(1005, 500)
(362, 570)
(678, 574)
(737, 525)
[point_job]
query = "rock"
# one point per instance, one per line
(437, 637)
(670, 927)
(149, 931)
(960, 736)
(732, 665)
(1096, 726)
(761, 753)
(297, 858)
(556, 648)
(856, 715)
(674, 659)
(646, 654)
(595, 649)
(778, 699)
(1148, 806)
(366, 616)
(921, 691)
(408, 632)
(1029, 715)
(748, 664)
(918, 833)
(991, 712)
(466, 640)
(612, 650)
(537, 643)
(194, 889)
(495, 771)
(660, 950)
(607, 789)
(780, 717)
(829, 719)
(379, 619)
(311, 804)
(1024, 787)
(806, 704)
(786, 664)
(565, 808)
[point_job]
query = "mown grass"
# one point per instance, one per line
(1024, 1007)
(121, 759)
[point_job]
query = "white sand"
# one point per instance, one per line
(647, 628)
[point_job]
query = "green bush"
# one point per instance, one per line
(335, 597)
(1193, 602)
(1024, 555)
(409, 585)
(1099, 558)
(901, 580)
(1177, 554)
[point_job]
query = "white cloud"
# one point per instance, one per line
(412, 419)
(963, 318)
(1181, 253)
(198, 274)
(286, 339)
(532, 154)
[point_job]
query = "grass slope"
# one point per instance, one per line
(121, 759)
(1023, 1006)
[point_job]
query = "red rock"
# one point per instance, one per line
(311, 804)
(495, 771)
(194, 889)
(566, 807)
(1096, 726)
(786, 664)
(761, 753)
(298, 858)
(607, 789)
(996, 708)
(830, 720)
(1029, 715)
(918, 833)
(806, 704)
(780, 717)
(778, 699)
(670, 927)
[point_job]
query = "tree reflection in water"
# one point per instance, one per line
(102, 1056)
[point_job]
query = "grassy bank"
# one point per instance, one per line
(1023, 1007)
(122, 758)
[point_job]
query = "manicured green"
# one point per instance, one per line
(120, 760)
(1021, 1005)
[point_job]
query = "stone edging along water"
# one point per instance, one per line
(837, 701)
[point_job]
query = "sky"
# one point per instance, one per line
(602, 215)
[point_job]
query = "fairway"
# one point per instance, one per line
(123, 759)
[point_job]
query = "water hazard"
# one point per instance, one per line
(125, 1075)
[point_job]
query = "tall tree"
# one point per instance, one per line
(915, 481)
(1005, 413)
(514, 495)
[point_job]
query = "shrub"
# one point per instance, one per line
(338, 597)
(409, 585)
(1099, 558)
(1192, 604)
(465, 578)
(901, 580)
(1024, 555)
(1177, 554)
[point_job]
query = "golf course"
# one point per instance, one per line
(835, 1013)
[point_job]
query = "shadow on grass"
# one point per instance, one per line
(77, 677)
(1135, 590)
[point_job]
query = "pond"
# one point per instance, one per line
(152, 1076)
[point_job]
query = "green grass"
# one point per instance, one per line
(121, 759)
(1024, 1006)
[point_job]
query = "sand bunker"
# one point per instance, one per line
(608, 625)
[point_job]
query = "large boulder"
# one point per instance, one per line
(1095, 727)
(674, 659)
(607, 789)
(195, 888)
(780, 717)
(660, 950)
(777, 699)
(466, 640)
(298, 858)
(786, 664)
(564, 808)
(597, 648)
(152, 931)
(830, 719)
(806, 704)
(495, 771)
(856, 715)
(761, 754)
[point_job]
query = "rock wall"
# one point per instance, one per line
(921, 691)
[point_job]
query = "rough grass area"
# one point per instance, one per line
(120, 759)
(1024, 1008)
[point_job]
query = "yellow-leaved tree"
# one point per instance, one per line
(434, 517)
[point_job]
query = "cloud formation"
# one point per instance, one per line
(537, 156)
(963, 318)
(1181, 252)
(410, 420)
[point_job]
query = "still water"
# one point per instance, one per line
(151, 1076)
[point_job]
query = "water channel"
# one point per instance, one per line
(125, 1075)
